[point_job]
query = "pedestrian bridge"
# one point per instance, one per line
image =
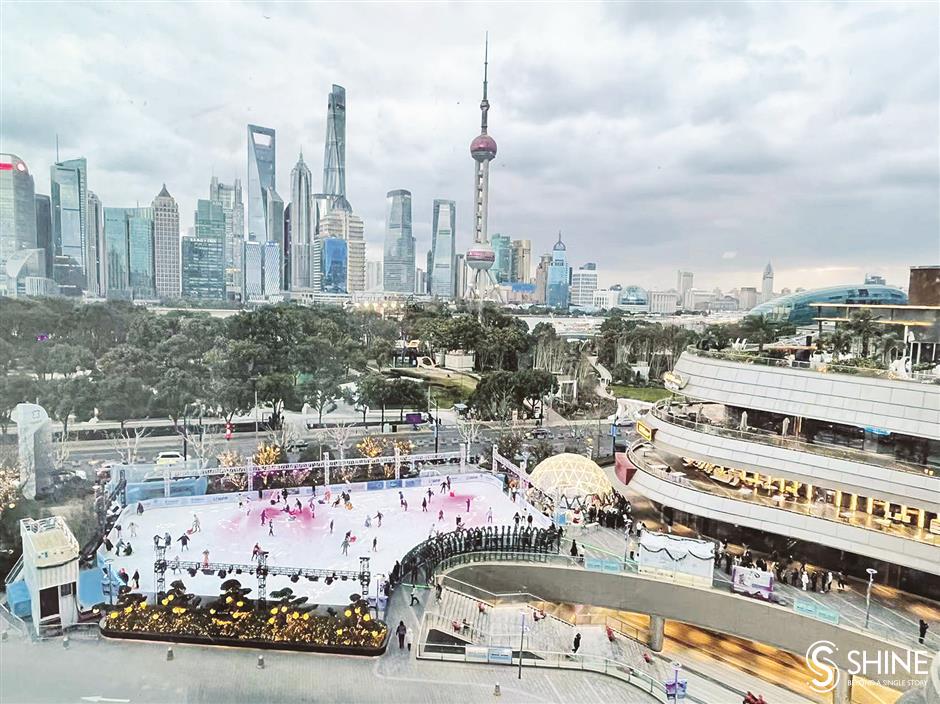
(560, 579)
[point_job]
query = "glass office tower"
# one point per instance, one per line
(334, 265)
(261, 179)
(502, 252)
(17, 210)
(140, 260)
(557, 283)
(399, 256)
(203, 260)
(443, 248)
(69, 222)
(334, 153)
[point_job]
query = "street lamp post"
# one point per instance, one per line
(107, 564)
(871, 578)
(521, 640)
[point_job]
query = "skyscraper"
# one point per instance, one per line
(69, 203)
(230, 198)
(17, 210)
(583, 286)
(166, 244)
(331, 265)
(44, 230)
(261, 181)
(483, 285)
(502, 258)
(399, 259)
(373, 276)
(94, 231)
(334, 153)
(343, 224)
(203, 254)
(302, 229)
(128, 237)
(443, 249)
(541, 277)
(683, 284)
(557, 293)
(767, 284)
(521, 262)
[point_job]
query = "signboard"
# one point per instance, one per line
(477, 653)
(876, 431)
(674, 381)
(414, 418)
(817, 611)
(644, 431)
(499, 656)
(752, 582)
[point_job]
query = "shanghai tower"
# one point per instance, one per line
(334, 154)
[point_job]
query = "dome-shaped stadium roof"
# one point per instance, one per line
(570, 475)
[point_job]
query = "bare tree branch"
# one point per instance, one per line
(127, 444)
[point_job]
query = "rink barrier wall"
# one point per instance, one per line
(249, 643)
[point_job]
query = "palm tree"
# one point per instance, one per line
(839, 340)
(862, 324)
(888, 343)
(759, 328)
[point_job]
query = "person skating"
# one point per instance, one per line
(489, 515)
(922, 629)
(516, 519)
(205, 559)
(468, 504)
(345, 545)
(401, 631)
(132, 529)
(184, 542)
(439, 591)
(368, 523)
(577, 643)
(264, 515)
(331, 526)
(167, 539)
(271, 527)
(430, 494)
(424, 505)
(378, 515)
(375, 544)
(140, 509)
(448, 482)
(443, 486)
(300, 506)
(414, 596)
(197, 527)
(440, 515)
(122, 573)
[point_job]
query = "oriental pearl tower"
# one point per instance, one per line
(482, 285)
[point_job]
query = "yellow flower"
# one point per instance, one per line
(170, 597)
(274, 610)
(127, 609)
(271, 620)
(164, 602)
(347, 613)
(113, 614)
(283, 609)
(306, 617)
(211, 611)
(366, 617)
(228, 600)
(143, 605)
(240, 603)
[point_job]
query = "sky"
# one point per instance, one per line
(655, 136)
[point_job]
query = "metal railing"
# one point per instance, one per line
(662, 411)
(819, 367)
(561, 661)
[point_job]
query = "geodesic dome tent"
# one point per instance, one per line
(574, 479)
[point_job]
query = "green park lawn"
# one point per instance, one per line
(639, 393)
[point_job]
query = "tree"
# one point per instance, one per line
(862, 324)
(175, 390)
(888, 344)
(14, 389)
(372, 390)
(123, 398)
(64, 397)
(127, 443)
(494, 397)
(531, 386)
(406, 393)
(341, 433)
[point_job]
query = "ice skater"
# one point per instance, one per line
(136, 579)
(140, 509)
(468, 504)
(401, 498)
(424, 505)
(167, 539)
(271, 527)
(264, 515)
(132, 529)
(440, 515)
(345, 545)
(205, 559)
(300, 506)
(184, 542)
(375, 544)
(430, 494)
(331, 526)
(378, 516)
(197, 527)
(489, 515)
(443, 486)
(448, 482)
(368, 521)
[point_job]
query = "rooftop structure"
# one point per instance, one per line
(798, 308)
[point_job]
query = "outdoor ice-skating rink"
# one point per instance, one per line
(229, 533)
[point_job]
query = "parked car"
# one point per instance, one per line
(540, 433)
(169, 457)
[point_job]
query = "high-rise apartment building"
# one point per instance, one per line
(521, 262)
(17, 210)
(398, 264)
(767, 284)
(230, 198)
(334, 152)
(443, 249)
(69, 219)
(557, 285)
(502, 258)
(342, 224)
(583, 286)
(683, 284)
(302, 229)
(203, 254)
(166, 245)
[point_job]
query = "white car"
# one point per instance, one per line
(169, 457)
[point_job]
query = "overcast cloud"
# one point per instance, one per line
(655, 136)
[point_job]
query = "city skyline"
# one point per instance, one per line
(707, 186)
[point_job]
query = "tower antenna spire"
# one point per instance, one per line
(485, 104)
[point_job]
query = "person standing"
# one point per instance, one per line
(401, 631)
(271, 527)
(378, 515)
(136, 580)
(439, 591)
(205, 559)
(468, 504)
(184, 542)
(345, 546)
(577, 643)
(489, 515)
(414, 596)
(804, 578)
(921, 627)
(331, 526)
(841, 579)
(375, 544)
(424, 505)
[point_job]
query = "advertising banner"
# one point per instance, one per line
(752, 582)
